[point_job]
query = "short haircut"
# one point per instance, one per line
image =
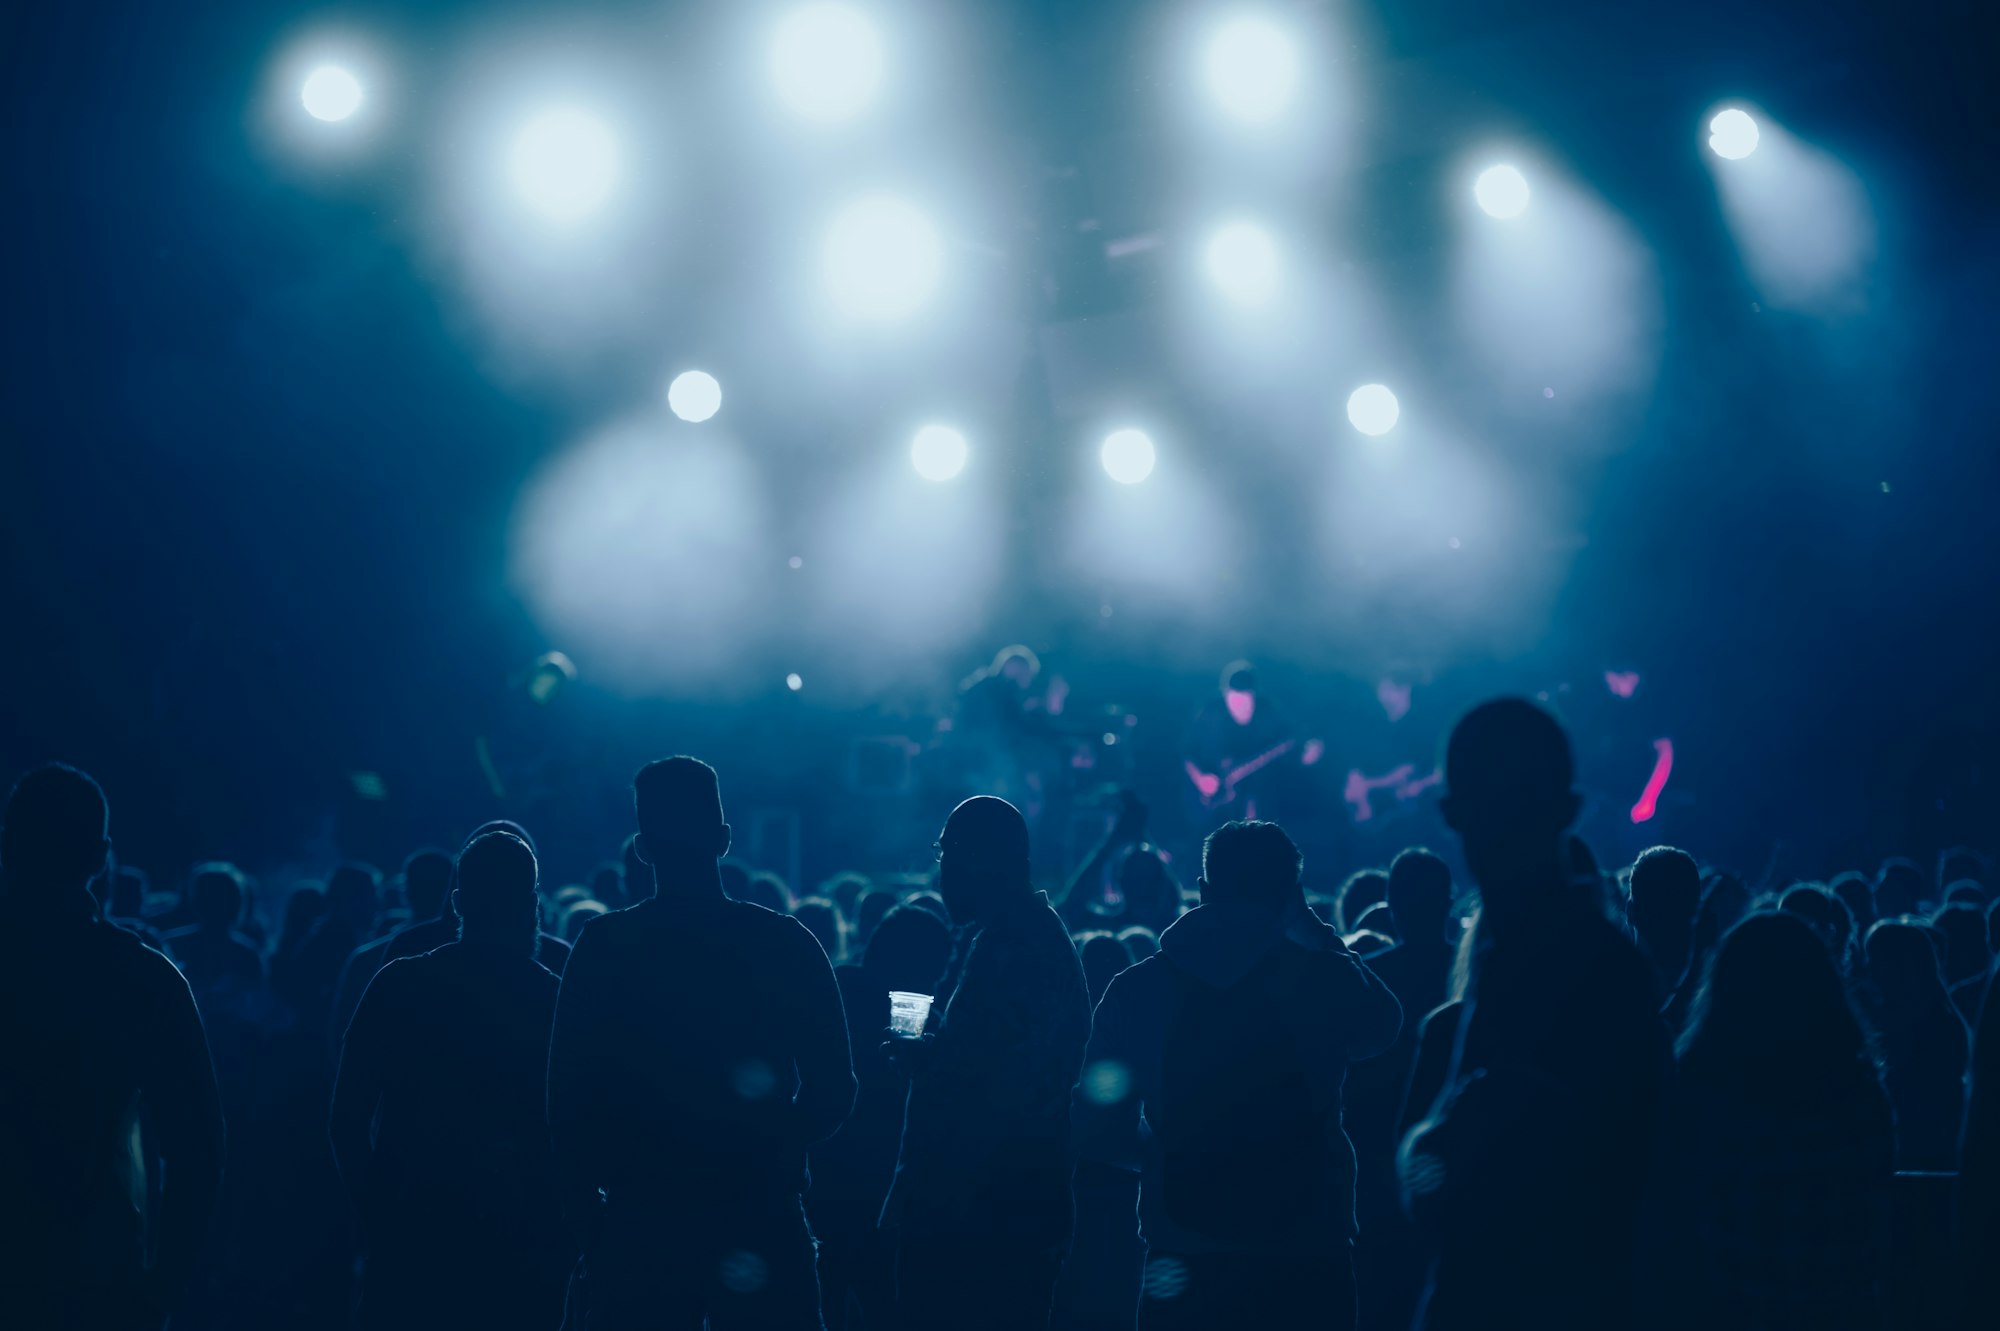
(496, 873)
(427, 881)
(216, 889)
(678, 801)
(1668, 880)
(1252, 862)
(55, 823)
(1507, 754)
(1419, 890)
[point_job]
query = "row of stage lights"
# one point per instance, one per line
(882, 257)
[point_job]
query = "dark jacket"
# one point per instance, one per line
(1531, 1168)
(985, 1156)
(1224, 1055)
(699, 1048)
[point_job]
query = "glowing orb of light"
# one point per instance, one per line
(1372, 409)
(330, 93)
(1243, 263)
(826, 60)
(564, 164)
(1252, 70)
(1732, 134)
(1127, 456)
(694, 395)
(1502, 192)
(938, 452)
(793, 682)
(882, 259)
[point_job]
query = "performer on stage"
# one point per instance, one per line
(1242, 756)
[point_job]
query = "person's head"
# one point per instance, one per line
(1016, 664)
(56, 833)
(1239, 691)
(427, 883)
(1900, 888)
(579, 914)
(1857, 892)
(1251, 864)
(496, 897)
(1828, 917)
(766, 886)
(1964, 864)
(216, 891)
(740, 883)
(303, 908)
(1903, 960)
(1964, 892)
(353, 894)
(1379, 920)
(1152, 896)
(907, 951)
(844, 890)
(1419, 896)
(679, 806)
(1103, 956)
(126, 897)
(931, 902)
(870, 908)
(1509, 794)
(1964, 931)
(822, 920)
(1358, 893)
(607, 884)
(1665, 893)
(1140, 941)
(982, 857)
(1772, 1018)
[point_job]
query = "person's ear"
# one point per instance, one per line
(454, 903)
(722, 841)
(641, 849)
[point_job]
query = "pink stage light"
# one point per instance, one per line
(1622, 683)
(1663, 767)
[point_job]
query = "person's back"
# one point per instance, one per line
(1925, 1044)
(427, 878)
(1771, 1188)
(446, 1058)
(699, 1048)
(97, 1030)
(1229, 1047)
(1529, 1170)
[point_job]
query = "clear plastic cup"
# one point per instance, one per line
(908, 1013)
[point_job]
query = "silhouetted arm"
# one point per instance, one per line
(185, 1111)
(824, 1061)
(1127, 830)
(357, 1088)
(576, 1076)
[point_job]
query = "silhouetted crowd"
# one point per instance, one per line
(678, 1096)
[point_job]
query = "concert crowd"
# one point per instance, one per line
(1154, 1096)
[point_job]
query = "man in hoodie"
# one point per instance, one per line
(1215, 1070)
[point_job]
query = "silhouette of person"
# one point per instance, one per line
(216, 958)
(699, 1049)
(303, 906)
(437, 1120)
(1103, 957)
(98, 1032)
(307, 978)
(1770, 1199)
(1528, 1173)
(1665, 893)
(1925, 1044)
(427, 889)
(1978, 1192)
(1901, 888)
(1828, 915)
(1148, 894)
(981, 1201)
(424, 935)
(124, 897)
(852, 1168)
(1215, 1068)
(1389, 1263)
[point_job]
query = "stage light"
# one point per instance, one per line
(793, 682)
(564, 164)
(882, 259)
(1732, 134)
(331, 93)
(1252, 70)
(1127, 456)
(1372, 409)
(938, 452)
(826, 60)
(694, 396)
(1502, 191)
(1243, 263)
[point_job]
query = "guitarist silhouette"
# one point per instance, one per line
(1241, 752)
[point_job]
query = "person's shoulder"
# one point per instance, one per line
(1137, 983)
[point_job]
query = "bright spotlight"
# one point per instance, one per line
(1127, 456)
(938, 452)
(1732, 134)
(827, 62)
(1252, 69)
(694, 395)
(1502, 191)
(882, 259)
(793, 682)
(564, 163)
(331, 93)
(1243, 262)
(1372, 409)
